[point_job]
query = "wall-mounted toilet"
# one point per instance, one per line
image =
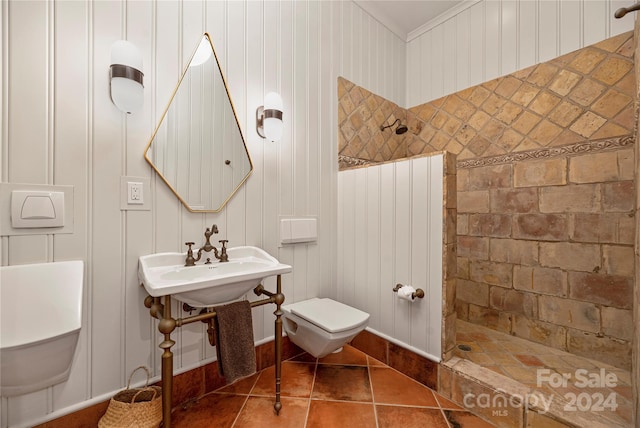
(322, 326)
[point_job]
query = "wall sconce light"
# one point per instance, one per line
(202, 54)
(269, 117)
(126, 77)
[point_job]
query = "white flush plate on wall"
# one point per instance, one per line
(297, 230)
(40, 209)
(37, 208)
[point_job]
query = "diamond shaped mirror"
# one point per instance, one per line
(198, 148)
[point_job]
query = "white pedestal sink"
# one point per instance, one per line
(165, 276)
(211, 284)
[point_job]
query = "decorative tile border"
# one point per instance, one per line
(350, 162)
(547, 153)
(346, 162)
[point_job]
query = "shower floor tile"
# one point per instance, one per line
(538, 367)
(345, 389)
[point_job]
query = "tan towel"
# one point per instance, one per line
(235, 347)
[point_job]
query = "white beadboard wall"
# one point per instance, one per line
(60, 127)
(492, 38)
(390, 232)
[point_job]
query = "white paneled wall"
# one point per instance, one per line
(59, 127)
(492, 38)
(390, 232)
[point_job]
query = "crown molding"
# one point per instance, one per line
(466, 4)
(372, 9)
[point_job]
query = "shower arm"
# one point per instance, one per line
(382, 127)
(624, 10)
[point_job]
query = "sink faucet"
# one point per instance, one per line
(207, 247)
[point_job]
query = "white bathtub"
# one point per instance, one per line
(40, 321)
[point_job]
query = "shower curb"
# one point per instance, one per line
(460, 379)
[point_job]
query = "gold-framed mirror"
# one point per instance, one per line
(198, 148)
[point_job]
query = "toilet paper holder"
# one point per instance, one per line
(419, 293)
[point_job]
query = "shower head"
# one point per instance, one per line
(401, 129)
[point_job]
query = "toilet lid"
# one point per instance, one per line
(328, 314)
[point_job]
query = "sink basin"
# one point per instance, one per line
(40, 319)
(205, 285)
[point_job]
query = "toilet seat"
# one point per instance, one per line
(329, 315)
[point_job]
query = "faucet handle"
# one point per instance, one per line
(223, 251)
(190, 260)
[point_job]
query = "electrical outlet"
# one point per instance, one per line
(135, 194)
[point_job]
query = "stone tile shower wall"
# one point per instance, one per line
(545, 198)
(361, 113)
(546, 203)
(545, 250)
(582, 96)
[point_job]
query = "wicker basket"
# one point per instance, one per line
(134, 407)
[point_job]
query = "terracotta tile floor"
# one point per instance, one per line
(345, 389)
(521, 359)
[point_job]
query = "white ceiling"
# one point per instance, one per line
(406, 17)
